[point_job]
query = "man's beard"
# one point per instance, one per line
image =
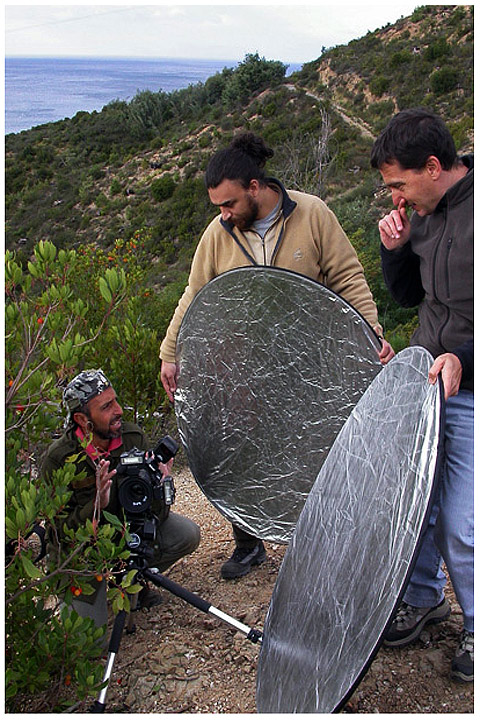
(245, 221)
(107, 434)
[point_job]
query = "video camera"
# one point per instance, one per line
(142, 484)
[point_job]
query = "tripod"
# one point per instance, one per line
(255, 636)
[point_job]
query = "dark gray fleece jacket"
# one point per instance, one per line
(435, 269)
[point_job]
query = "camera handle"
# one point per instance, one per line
(255, 636)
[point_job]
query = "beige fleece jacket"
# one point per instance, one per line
(312, 244)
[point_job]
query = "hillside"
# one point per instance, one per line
(137, 167)
(417, 61)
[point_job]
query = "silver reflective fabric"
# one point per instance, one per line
(349, 558)
(271, 365)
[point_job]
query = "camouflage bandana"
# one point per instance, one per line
(82, 388)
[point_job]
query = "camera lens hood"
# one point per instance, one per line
(135, 495)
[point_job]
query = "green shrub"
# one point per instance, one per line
(162, 188)
(65, 310)
(437, 49)
(115, 187)
(444, 80)
(460, 131)
(205, 140)
(379, 85)
(400, 58)
(47, 335)
(269, 109)
(253, 74)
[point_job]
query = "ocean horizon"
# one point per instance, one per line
(41, 90)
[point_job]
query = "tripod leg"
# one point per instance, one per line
(113, 647)
(130, 629)
(198, 602)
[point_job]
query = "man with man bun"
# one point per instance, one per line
(262, 224)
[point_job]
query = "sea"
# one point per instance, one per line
(44, 90)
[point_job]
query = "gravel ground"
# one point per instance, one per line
(181, 660)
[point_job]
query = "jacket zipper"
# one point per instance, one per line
(280, 236)
(447, 265)
(444, 325)
(250, 257)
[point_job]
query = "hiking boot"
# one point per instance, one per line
(148, 598)
(242, 561)
(462, 663)
(409, 622)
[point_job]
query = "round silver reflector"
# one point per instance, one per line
(355, 541)
(271, 365)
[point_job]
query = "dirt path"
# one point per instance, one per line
(183, 661)
(354, 122)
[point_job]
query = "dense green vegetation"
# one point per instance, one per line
(64, 309)
(103, 214)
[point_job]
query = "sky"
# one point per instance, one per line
(287, 32)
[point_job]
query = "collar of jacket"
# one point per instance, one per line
(458, 192)
(288, 206)
(93, 452)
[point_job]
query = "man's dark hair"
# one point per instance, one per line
(243, 160)
(85, 410)
(410, 138)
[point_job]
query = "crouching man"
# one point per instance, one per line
(96, 436)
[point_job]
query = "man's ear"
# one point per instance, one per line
(434, 167)
(254, 187)
(81, 419)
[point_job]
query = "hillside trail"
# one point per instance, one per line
(181, 660)
(354, 122)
